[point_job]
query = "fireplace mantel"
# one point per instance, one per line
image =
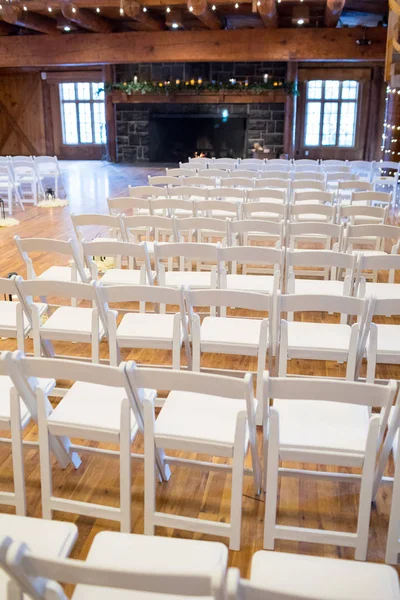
(222, 97)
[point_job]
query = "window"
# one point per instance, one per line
(83, 113)
(331, 113)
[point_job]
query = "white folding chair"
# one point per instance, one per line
(146, 191)
(322, 213)
(264, 211)
(220, 334)
(94, 226)
(217, 172)
(180, 172)
(243, 232)
(348, 579)
(306, 425)
(48, 170)
(279, 163)
(364, 169)
(371, 240)
(326, 264)
(346, 187)
(152, 228)
(146, 329)
(309, 162)
(334, 177)
(185, 569)
(48, 539)
(266, 195)
(172, 207)
(164, 180)
(205, 414)
(332, 163)
(256, 262)
(199, 180)
(74, 272)
(134, 206)
(381, 262)
(65, 323)
(116, 275)
(244, 183)
(382, 345)
(313, 197)
(274, 183)
(243, 172)
(9, 188)
(279, 175)
(201, 229)
(218, 209)
(311, 173)
(227, 194)
(307, 184)
(393, 537)
(308, 340)
(189, 166)
(388, 176)
(327, 236)
(98, 407)
(251, 163)
(25, 177)
(188, 193)
(186, 253)
(360, 214)
(374, 198)
(232, 162)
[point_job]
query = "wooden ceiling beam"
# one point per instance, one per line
(268, 13)
(333, 12)
(200, 9)
(14, 15)
(134, 10)
(86, 18)
(41, 5)
(193, 46)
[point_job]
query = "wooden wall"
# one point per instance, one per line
(22, 123)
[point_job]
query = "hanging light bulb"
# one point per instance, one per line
(97, 10)
(50, 9)
(121, 11)
(213, 7)
(168, 9)
(144, 9)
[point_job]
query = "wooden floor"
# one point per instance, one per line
(189, 492)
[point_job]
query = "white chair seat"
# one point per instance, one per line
(147, 330)
(388, 340)
(48, 539)
(57, 273)
(322, 425)
(318, 578)
(312, 217)
(188, 417)
(317, 336)
(8, 315)
(370, 252)
(238, 334)
(91, 408)
(194, 279)
(383, 290)
(318, 286)
(251, 283)
(71, 319)
(147, 554)
(121, 276)
(6, 385)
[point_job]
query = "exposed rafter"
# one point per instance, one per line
(268, 13)
(15, 15)
(134, 10)
(86, 18)
(200, 9)
(333, 11)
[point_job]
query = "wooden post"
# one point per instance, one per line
(373, 139)
(47, 118)
(108, 77)
(290, 112)
(391, 128)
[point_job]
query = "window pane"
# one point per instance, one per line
(349, 90)
(347, 124)
(96, 94)
(314, 90)
(85, 123)
(313, 119)
(67, 91)
(83, 91)
(329, 124)
(70, 131)
(99, 123)
(332, 90)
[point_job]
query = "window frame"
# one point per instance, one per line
(91, 101)
(339, 101)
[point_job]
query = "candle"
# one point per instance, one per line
(177, 81)
(266, 78)
(135, 79)
(199, 81)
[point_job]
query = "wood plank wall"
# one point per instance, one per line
(22, 122)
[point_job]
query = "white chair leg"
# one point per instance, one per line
(44, 456)
(17, 454)
(272, 478)
(237, 482)
(149, 469)
(392, 544)
(367, 483)
(125, 467)
(20, 328)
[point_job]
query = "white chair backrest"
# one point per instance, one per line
(335, 176)
(169, 205)
(213, 172)
(334, 163)
(200, 180)
(279, 165)
(388, 165)
(312, 210)
(239, 173)
(153, 224)
(152, 294)
(128, 204)
(354, 185)
(250, 166)
(379, 262)
(226, 193)
(111, 248)
(371, 197)
(307, 184)
(311, 169)
(146, 191)
(213, 208)
(225, 161)
(251, 209)
(267, 194)
(348, 305)
(200, 223)
(42, 288)
(188, 192)
(250, 255)
(309, 176)
(336, 169)
(253, 162)
(266, 182)
(164, 180)
(273, 229)
(378, 231)
(360, 210)
(325, 231)
(307, 196)
(279, 175)
(322, 258)
(305, 161)
(189, 166)
(237, 182)
(225, 298)
(186, 250)
(180, 172)
(199, 161)
(47, 165)
(111, 222)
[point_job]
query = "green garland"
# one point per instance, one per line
(139, 87)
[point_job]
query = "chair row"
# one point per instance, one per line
(22, 174)
(120, 563)
(203, 414)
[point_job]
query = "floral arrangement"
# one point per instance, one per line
(166, 87)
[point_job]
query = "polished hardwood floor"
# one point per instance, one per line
(189, 492)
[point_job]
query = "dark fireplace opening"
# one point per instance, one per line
(175, 137)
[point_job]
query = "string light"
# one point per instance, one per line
(73, 9)
(174, 25)
(121, 11)
(190, 8)
(144, 9)
(25, 8)
(236, 5)
(258, 3)
(67, 28)
(50, 9)
(97, 10)
(300, 21)
(168, 9)
(213, 7)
